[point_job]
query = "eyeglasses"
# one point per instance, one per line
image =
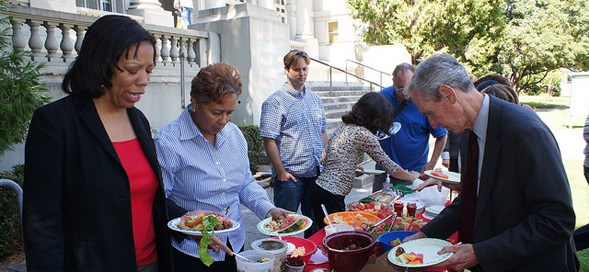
(400, 89)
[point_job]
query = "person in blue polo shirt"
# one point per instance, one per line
(410, 146)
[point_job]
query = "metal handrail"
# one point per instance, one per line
(16, 188)
(331, 67)
(366, 66)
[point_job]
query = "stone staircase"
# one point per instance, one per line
(337, 101)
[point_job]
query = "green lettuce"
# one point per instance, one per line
(209, 222)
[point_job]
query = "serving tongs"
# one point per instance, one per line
(392, 215)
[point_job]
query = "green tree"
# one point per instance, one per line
(21, 91)
(542, 37)
(526, 40)
(467, 29)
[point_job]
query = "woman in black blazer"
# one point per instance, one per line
(93, 198)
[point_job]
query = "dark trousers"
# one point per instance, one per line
(453, 165)
(187, 263)
(581, 235)
(289, 194)
(333, 203)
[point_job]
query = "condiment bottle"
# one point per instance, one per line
(411, 209)
(398, 206)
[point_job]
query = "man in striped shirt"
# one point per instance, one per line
(294, 129)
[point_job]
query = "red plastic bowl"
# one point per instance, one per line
(309, 246)
(348, 260)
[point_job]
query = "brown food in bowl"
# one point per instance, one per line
(352, 243)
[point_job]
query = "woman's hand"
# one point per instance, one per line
(429, 182)
(215, 244)
(358, 173)
(276, 213)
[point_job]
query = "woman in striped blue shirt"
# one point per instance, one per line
(205, 166)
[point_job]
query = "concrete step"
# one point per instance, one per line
(340, 99)
(346, 92)
(337, 106)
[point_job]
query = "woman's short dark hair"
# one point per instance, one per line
(372, 111)
(106, 40)
(214, 82)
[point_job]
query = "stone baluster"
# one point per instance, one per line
(51, 43)
(158, 49)
(190, 49)
(18, 40)
(66, 45)
(165, 50)
(174, 52)
(35, 42)
(79, 38)
(183, 52)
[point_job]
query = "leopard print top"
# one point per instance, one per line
(345, 150)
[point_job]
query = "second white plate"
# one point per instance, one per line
(370, 171)
(275, 233)
(452, 176)
(173, 222)
(429, 247)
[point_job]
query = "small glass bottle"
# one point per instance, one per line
(398, 206)
(411, 209)
(386, 187)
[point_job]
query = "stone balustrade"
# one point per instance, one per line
(56, 37)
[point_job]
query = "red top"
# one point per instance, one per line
(144, 185)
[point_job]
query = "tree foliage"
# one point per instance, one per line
(523, 39)
(21, 92)
(467, 29)
(542, 37)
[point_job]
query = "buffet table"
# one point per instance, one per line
(374, 263)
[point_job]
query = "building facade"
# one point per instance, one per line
(251, 35)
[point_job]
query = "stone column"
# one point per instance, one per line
(152, 12)
(291, 18)
(303, 20)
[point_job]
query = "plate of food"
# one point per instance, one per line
(419, 253)
(194, 225)
(290, 225)
(370, 171)
(444, 176)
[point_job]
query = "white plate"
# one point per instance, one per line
(275, 233)
(173, 222)
(434, 210)
(370, 171)
(426, 246)
(452, 176)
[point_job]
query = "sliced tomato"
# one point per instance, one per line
(441, 175)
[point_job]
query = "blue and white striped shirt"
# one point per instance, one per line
(200, 176)
(295, 121)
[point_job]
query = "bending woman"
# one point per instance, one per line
(205, 166)
(346, 148)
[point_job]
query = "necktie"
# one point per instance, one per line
(468, 204)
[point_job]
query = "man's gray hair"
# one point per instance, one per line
(437, 71)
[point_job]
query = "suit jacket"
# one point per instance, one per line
(524, 215)
(77, 200)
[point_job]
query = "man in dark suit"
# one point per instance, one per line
(514, 212)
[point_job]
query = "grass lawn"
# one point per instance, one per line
(554, 112)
